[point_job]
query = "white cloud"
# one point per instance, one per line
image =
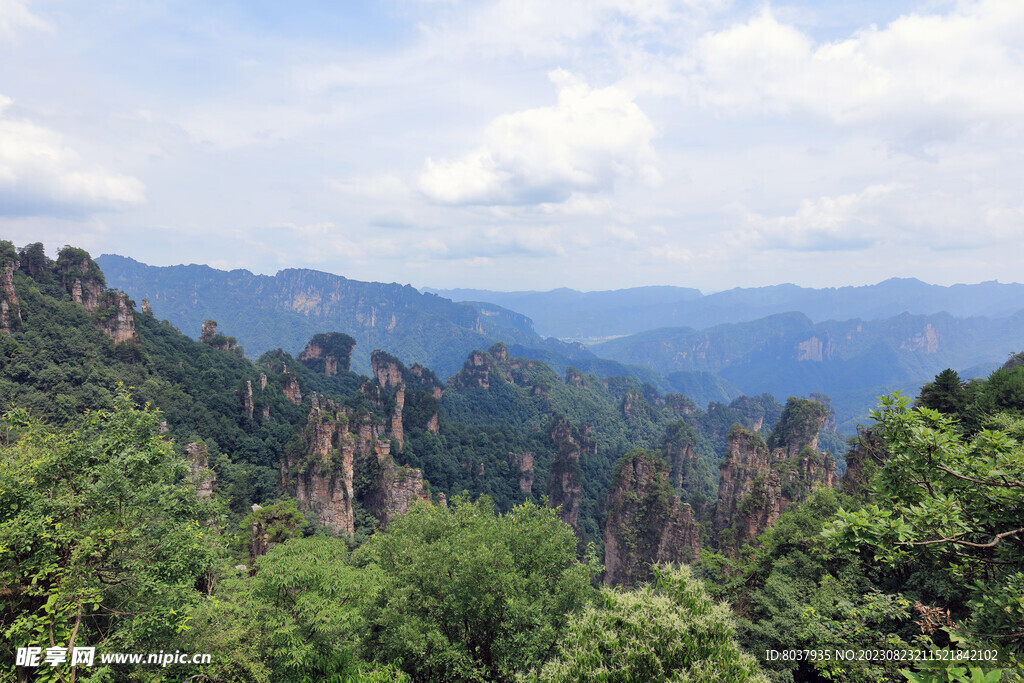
(586, 143)
(850, 221)
(926, 72)
(40, 175)
(14, 16)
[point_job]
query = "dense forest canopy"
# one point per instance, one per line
(299, 521)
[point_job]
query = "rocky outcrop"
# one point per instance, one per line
(201, 476)
(476, 371)
(339, 447)
(524, 463)
(426, 380)
(80, 277)
(247, 401)
(290, 387)
(575, 378)
(679, 404)
(647, 523)
(565, 488)
(146, 308)
(116, 318)
(397, 487)
(327, 353)
(321, 477)
(208, 335)
(387, 370)
(396, 417)
(760, 480)
(10, 309)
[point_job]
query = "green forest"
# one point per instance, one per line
(298, 521)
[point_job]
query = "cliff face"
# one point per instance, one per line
(201, 475)
(760, 480)
(565, 488)
(524, 462)
(647, 522)
(340, 448)
(80, 277)
(326, 353)
(117, 320)
(10, 310)
(290, 387)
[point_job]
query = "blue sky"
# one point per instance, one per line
(522, 144)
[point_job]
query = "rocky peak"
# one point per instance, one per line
(499, 351)
(290, 386)
(326, 353)
(524, 463)
(339, 447)
(10, 310)
(116, 317)
(80, 277)
(208, 335)
(565, 488)
(387, 370)
(760, 480)
(647, 522)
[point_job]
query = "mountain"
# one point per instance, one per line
(285, 310)
(568, 314)
(853, 361)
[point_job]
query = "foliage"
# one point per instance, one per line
(951, 503)
(465, 595)
(101, 537)
(667, 630)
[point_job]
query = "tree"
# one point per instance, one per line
(465, 595)
(667, 630)
(951, 503)
(946, 394)
(102, 538)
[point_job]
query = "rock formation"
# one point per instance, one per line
(209, 335)
(760, 480)
(327, 353)
(339, 445)
(565, 488)
(290, 386)
(247, 401)
(524, 463)
(201, 475)
(10, 310)
(387, 370)
(647, 523)
(116, 318)
(80, 277)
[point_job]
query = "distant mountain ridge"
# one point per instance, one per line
(568, 314)
(852, 361)
(284, 310)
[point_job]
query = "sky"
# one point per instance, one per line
(522, 144)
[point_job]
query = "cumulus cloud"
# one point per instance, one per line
(586, 143)
(925, 71)
(40, 175)
(845, 222)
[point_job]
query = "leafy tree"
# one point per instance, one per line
(950, 503)
(667, 630)
(102, 538)
(465, 595)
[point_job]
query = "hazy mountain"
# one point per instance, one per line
(283, 311)
(853, 361)
(566, 313)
